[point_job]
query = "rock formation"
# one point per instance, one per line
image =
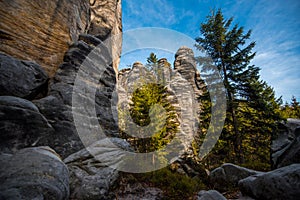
(286, 144)
(210, 195)
(21, 125)
(42, 31)
(22, 79)
(228, 175)
(54, 78)
(33, 173)
(181, 84)
(282, 183)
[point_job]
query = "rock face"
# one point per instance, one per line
(33, 173)
(286, 144)
(282, 183)
(90, 177)
(71, 82)
(21, 124)
(181, 86)
(23, 79)
(106, 24)
(228, 175)
(96, 82)
(210, 195)
(41, 31)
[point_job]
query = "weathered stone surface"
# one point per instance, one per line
(106, 24)
(210, 195)
(33, 173)
(185, 64)
(90, 176)
(228, 176)
(19, 78)
(21, 124)
(286, 144)
(86, 67)
(41, 30)
(137, 191)
(181, 84)
(282, 183)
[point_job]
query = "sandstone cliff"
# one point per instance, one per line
(183, 86)
(42, 31)
(44, 47)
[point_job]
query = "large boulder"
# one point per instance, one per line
(33, 173)
(19, 78)
(21, 124)
(282, 183)
(228, 175)
(210, 195)
(90, 174)
(286, 144)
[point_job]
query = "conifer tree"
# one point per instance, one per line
(251, 103)
(143, 99)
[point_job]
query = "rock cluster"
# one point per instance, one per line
(33, 173)
(67, 79)
(286, 144)
(182, 85)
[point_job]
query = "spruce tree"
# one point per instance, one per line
(251, 103)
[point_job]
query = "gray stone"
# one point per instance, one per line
(210, 195)
(90, 103)
(282, 183)
(33, 173)
(137, 191)
(21, 124)
(286, 144)
(19, 78)
(228, 175)
(90, 176)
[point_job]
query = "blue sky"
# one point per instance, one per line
(275, 27)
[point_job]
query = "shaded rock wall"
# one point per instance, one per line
(285, 147)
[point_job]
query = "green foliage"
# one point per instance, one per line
(291, 110)
(142, 107)
(152, 61)
(173, 184)
(253, 110)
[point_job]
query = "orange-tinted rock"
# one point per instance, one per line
(41, 30)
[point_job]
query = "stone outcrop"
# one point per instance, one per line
(21, 124)
(137, 191)
(70, 77)
(94, 89)
(106, 24)
(210, 195)
(42, 31)
(33, 173)
(20, 78)
(90, 177)
(286, 144)
(182, 87)
(228, 175)
(282, 183)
